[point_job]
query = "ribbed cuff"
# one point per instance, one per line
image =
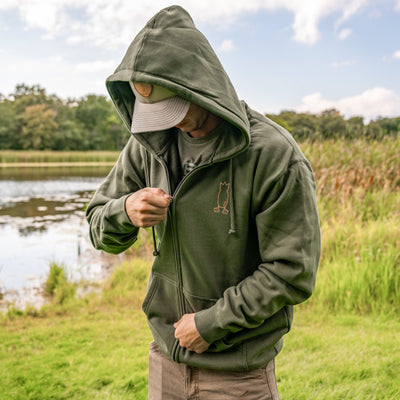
(206, 324)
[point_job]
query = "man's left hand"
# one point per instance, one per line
(188, 335)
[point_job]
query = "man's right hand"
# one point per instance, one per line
(147, 207)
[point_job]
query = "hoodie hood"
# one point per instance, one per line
(171, 52)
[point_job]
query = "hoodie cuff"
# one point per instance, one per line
(117, 213)
(207, 326)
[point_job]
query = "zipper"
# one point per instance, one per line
(175, 243)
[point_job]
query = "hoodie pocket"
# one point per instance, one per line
(162, 310)
(194, 303)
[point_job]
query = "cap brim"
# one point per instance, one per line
(159, 116)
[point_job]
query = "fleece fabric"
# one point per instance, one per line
(241, 242)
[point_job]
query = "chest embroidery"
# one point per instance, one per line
(222, 198)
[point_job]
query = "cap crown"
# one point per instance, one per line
(149, 94)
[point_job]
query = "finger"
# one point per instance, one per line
(177, 324)
(157, 197)
(150, 209)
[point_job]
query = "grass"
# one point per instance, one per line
(79, 348)
(45, 157)
(57, 285)
(100, 352)
(358, 189)
(340, 356)
(83, 355)
(360, 265)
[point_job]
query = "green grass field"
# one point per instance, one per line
(345, 342)
(100, 352)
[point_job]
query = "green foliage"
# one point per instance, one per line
(330, 124)
(33, 120)
(38, 127)
(57, 285)
(358, 188)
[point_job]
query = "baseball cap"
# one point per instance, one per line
(156, 108)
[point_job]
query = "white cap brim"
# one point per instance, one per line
(159, 116)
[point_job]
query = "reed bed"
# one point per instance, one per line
(38, 157)
(358, 190)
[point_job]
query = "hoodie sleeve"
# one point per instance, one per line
(109, 225)
(289, 241)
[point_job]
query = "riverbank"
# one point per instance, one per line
(57, 164)
(23, 158)
(96, 346)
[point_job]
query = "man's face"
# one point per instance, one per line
(194, 119)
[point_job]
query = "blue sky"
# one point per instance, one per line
(280, 54)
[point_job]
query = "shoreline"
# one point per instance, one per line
(57, 164)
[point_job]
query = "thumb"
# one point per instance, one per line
(177, 323)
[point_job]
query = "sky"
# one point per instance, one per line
(301, 55)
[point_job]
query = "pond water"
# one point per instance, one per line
(42, 220)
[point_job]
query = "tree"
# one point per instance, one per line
(38, 127)
(9, 126)
(331, 124)
(389, 126)
(25, 96)
(92, 112)
(70, 133)
(355, 127)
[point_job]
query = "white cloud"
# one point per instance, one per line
(111, 23)
(226, 46)
(344, 33)
(351, 8)
(96, 66)
(396, 54)
(7, 4)
(56, 74)
(371, 104)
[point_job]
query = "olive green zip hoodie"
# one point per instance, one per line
(241, 242)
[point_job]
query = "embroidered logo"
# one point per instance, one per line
(223, 198)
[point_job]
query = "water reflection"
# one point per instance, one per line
(42, 220)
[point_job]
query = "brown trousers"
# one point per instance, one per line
(169, 380)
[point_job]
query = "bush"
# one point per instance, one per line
(57, 285)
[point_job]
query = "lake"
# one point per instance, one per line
(42, 220)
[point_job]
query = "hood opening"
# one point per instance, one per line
(171, 52)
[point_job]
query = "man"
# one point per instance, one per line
(232, 200)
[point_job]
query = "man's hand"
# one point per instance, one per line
(188, 335)
(147, 207)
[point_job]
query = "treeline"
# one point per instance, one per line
(330, 124)
(30, 119)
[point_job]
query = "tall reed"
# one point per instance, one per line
(358, 188)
